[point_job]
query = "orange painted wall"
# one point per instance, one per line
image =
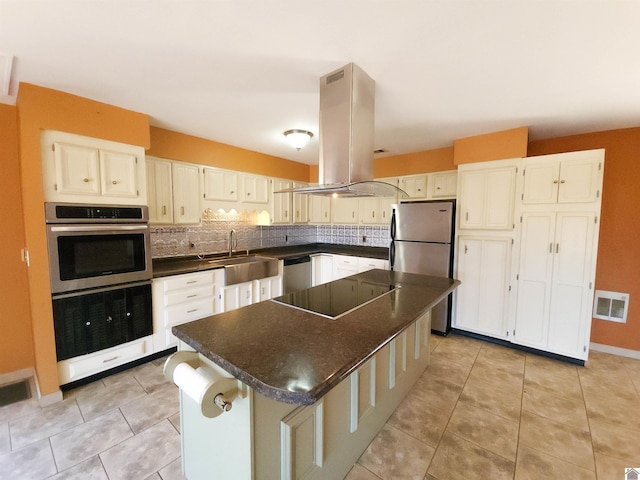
(179, 146)
(16, 341)
(39, 109)
(437, 160)
(492, 146)
(618, 267)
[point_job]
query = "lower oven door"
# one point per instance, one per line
(97, 319)
(90, 256)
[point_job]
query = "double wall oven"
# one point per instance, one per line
(100, 270)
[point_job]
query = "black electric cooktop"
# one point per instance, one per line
(337, 298)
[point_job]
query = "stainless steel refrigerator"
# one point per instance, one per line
(422, 242)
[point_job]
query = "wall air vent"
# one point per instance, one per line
(611, 306)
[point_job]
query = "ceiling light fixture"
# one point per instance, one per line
(298, 138)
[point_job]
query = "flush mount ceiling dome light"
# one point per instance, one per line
(298, 138)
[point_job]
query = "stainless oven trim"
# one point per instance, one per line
(57, 296)
(62, 286)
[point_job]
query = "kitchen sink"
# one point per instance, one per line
(244, 268)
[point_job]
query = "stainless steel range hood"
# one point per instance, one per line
(347, 110)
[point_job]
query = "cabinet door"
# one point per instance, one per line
(344, 266)
(186, 193)
(487, 198)
(319, 209)
(482, 298)
(245, 294)
(256, 189)
(571, 295)
(118, 174)
(534, 284)
(300, 205)
(579, 180)
(281, 202)
(369, 210)
(415, 186)
(77, 169)
(444, 184)
(472, 191)
(321, 269)
(540, 182)
(344, 210)
(159, 191)
(220, 185)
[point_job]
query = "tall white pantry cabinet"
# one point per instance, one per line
(527, 259)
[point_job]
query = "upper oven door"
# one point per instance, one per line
(88, 256)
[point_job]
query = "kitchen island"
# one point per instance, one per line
(313, 389)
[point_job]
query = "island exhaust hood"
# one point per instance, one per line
(347, 109)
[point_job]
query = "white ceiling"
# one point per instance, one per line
(242, 72)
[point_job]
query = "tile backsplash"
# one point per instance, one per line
(212, 236)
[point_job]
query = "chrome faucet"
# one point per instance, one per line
(233, 241)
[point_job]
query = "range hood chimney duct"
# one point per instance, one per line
(347, 128)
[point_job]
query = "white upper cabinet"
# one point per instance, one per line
(562, 178)
(282, 203)
(118, 174)
(220, 185)
(345, 210)
(319, 209)
(159, 191)
(415, 186)
(255, 189)
(443, 184)
(186, 193)
(81, 169)
(486, 196)
(300, 205)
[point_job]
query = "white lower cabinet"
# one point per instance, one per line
(236, 296)
(326, 267)
(555, 289)
(343, 266)
(183, 298)
(321, 268)
(484, 265)
(267, 288)
(365, 264)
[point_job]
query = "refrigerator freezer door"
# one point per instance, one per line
(424, 221)
(424, 258)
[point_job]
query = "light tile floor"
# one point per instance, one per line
(479, 411)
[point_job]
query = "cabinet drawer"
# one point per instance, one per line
(80, 367)
(188, 295)
(188, 281)
(187, 312)
(365, 264)
(345, 260)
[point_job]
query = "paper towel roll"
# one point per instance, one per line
(201, 388)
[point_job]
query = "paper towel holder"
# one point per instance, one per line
(221, 390)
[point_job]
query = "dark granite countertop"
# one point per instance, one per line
(295, 356)
(163, 267)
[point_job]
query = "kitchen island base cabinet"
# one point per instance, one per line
(260, 438)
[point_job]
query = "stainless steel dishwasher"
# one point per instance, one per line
(297, 273)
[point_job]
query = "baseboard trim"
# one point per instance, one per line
(623, 352)
(22, 374)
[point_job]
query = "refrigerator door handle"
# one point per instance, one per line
(393, 225)
(392, 255)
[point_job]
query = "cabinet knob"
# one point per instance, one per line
(114, 182)
(562, 181)
(85, 180)
(232, 192)
(437, 188)
(555, 181)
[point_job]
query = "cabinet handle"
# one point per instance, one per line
(192, 296)
(192, 281)
(88, 324)
(110, 359)
(353, 214)
(384, 214)
(232, 192)
(557, 247)
(192, 310)
(555, 181)
(297, 213)
(466, 248)
(115, 182)
(85, 180)
(466, 216)
(181, 210)
(437, 188)
(562, 181)
(248, 194)
(373, 214)
(164, 209)
(247, 294)
(551, 248)
(325, 214)
(286, 214)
